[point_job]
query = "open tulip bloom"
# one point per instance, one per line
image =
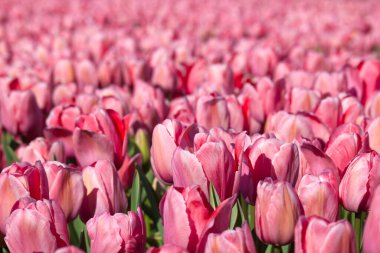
(160, 126)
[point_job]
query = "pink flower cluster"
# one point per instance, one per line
(189, 126)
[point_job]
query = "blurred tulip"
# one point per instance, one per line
(168, 248)
(188, 217)
(212, 111)
(277, 210)
(65, 187)
(238, 240)
(303, 100)
(21, 180)
(44, 220)
(373, 132)
(360, 181)
(117, 233)
(40, 150)
(63, 72)
(329, 111)
(369, 73)
(314, 234)
(371, 244)
(103, 190)
(318, 196)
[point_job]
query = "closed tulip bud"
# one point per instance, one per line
(360, 181)
(314, 235)
(165, 139)
(329, 111)
(188, 217)
(318, 196)
(352, 109)
(66, 187)
(103, 190)
(238, 240)
(371, 243)
(212, 111)
(119, 233)
(276, 212)
(301, 99)
(44, 220)
(86, 73)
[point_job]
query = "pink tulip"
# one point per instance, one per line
(315, 235)
(369, 73)
(371, 243)
(188, 217)
(238, 240)
(212, 111)
(318, 196)
(65, 187)
(117, 233)
(268, 157)
(43, 219)
(21, 180)
(301, 99)
(329, 111)
(103, 190)
(277, 210)
(360, 181)
(373, 131)
(63, 72)
(86, 73)
(182, 110)
(40, 150)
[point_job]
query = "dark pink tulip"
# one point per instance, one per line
(314, 235)
(371, 244)
(165, 139)
(117, 233)
(277, 210)
(65, 187)
(20, 113)
(168, 248)
(360, 181)
(188, 217)
(43, 219)
(318, 196)
(268, 157)
(21, 180)
(69, 249)
(373, 133)
(103, 190)
(238, 240)
(212, 111)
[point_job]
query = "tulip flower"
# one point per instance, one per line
(66, 187)
(63, 72)
(188, 217)
(373, 131)
(238, 240)
(360, 181)
(315, 235)
(117, 233)
(301, 99)
(277, 210)
(318, 196)
(40, 150)
(372, 225)
(21, 180)
(212, 111)
(103, 190)
(43, 219)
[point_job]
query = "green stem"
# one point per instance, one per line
(277, 249)
(358, 230)
(251, 216)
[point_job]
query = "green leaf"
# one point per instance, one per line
(8, 142)
(251, 216)
(214, 198)
(234, 216)
(136, 193)
(75, 229)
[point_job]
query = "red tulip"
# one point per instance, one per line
(238, 240)
(44, 220)
(371, 244)
(314, 234)
(277, 210)
(117, 233)
(65, 187)
(360, 181)
(103, 190)
(188, 217)
(318, 196)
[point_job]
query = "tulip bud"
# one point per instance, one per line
(63, 72)
(117, 233)
(314, 235)
(371, 243)
(103, 190)
(318, 196)
(66, 187)
(238, 240)
(360, 181)
(276, 212)
(44, 224)
(302, 99)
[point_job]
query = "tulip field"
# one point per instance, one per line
(190, 126)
